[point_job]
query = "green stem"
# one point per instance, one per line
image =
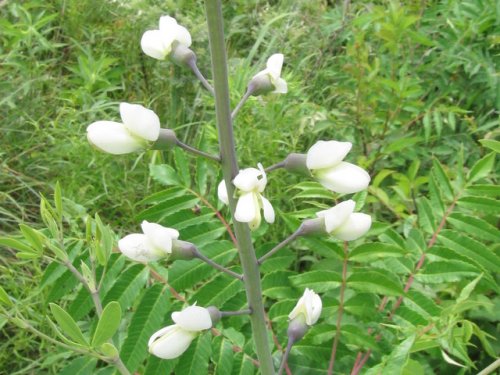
(230, 169)
(196, 151)
(240, 104)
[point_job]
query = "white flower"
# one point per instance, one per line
(159, 43)
(140, 127)
(324, 160)
(250, 183)
(170, 342)
(309, 306)
(273, 73)
(155, 243)
(343, 223)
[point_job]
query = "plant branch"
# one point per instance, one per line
(196, 151)
(282, 244)
(240, 104)
(215, 265)
(279, 165)
(340, 310)
(230, 169)
(492, 367)
(284, 360)
(225, 314)
(197, 73)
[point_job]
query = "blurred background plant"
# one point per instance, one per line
(409, 83)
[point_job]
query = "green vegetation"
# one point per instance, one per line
(413, 85)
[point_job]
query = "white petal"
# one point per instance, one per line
(248, 179)
(112, 137)
(274, 64)
(325, 154)
(247, 208)
(450, 360)
(222, 192)
(280, 86)
(156, 44)
(316, 307)
(336, 216)
(179, 33)
(193, 318)
(137, 247)
(344, 178)
(140, 121)
(261, 185)
(159, 236)
(356, 225)
(268, 210)
(170, 342)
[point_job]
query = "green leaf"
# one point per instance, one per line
(319, 281)
(374, 282)
(484, 190)
(80, 366)
(4, 298)
(396, 361)
(58, 200)
(481, 204)
(471, 248)
(34, 237)
(401, 144)
(491, 144)
(482, 168)
(160, 211)
(277, 285)
(195, 360)
(15, 244)
(182, 164)
(67, 324)
(426, 218)
(422, 304)
(108, 349)
(467, 290)
(474, 226)
(370, 252)
(442, 180)
(218, 291)
(446, 271)
(223, 356)
(127, 286)
(108, 323)
(158, 366)
(164, 174)
(147, 319)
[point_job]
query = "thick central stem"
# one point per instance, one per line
(230, 169)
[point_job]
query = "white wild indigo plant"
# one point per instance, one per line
(253, 315)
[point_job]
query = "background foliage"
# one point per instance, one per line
(414, 85)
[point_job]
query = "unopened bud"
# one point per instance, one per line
(182, 250)
(313, 226)
(297, 328)
(296, 163)
(166, 140)
(183, 56)
(260, 84)
(215, 314)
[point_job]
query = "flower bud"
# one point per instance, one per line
(308, 308)
(183, 250)
(215, 314)
(153, 244)
(140, 127)
(296, 163)
(269, 80)
(324, 160)
(166, 140)
(343, 223)
(297, 328)
(172, 341)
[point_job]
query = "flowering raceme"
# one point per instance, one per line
(250, 183)
(308, 308)
(160, 43)
(139, 129)
(324, 160)
(170, 342)
(343, 223)
(269, 79)
(155, 243)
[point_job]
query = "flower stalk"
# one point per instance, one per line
(230, 170)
